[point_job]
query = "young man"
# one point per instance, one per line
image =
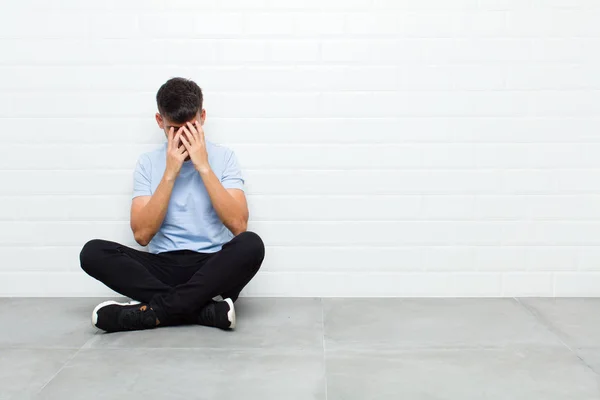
(190, 209)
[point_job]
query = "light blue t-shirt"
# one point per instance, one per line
(191, 222)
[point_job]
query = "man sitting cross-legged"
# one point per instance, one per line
(189, 208)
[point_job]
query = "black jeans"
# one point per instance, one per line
(176, 284)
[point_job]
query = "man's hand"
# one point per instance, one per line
(193, 140)
(176, 155)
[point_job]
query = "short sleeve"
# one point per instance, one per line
(232, 173)
(141, 178)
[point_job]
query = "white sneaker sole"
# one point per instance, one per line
(108, 303)
(230, 313)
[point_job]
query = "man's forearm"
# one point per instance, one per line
(233, 215)
(230, 210)
(151, 217)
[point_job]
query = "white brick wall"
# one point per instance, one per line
(392, 147)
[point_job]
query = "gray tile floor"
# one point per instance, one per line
(311, 349)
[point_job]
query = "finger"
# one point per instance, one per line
(170, 138)
(199, 127)
(193, 130)
(188, 135)
(191, 126)
(200, 132)
(181, 149)
(184, 154)
(186, 143)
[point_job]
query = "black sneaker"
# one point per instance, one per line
(111, 316)
(218, 314)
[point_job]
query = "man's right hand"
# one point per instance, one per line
(176, 154)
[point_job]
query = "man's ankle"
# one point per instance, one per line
(160, 316)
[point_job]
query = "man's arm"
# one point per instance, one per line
(148, 212)
(230, 204)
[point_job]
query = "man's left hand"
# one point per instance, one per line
(193, 140)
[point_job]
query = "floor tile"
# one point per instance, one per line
(23, 372)
(189, 374)
(46, 322)
(274, 323)
(431, 323)
(576, 321)
(545, 373)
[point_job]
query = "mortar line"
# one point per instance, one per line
(555, 333)
(65, 364)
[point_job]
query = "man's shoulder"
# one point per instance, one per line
(154, 156)
(218, 148)
(218, 152)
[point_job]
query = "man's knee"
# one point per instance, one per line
(90, 253)
(252, 245)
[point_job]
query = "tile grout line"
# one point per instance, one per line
(324, 349)
(555, 333)
(544, 323)
(65, 364)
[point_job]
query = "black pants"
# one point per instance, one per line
(176, 284)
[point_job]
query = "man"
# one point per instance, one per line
(189, 208)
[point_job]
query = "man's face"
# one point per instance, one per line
(165, 124)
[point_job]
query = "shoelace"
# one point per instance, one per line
(137, 319)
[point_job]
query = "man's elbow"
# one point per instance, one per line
(142, 242)
(142, 238)
(239, 227)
